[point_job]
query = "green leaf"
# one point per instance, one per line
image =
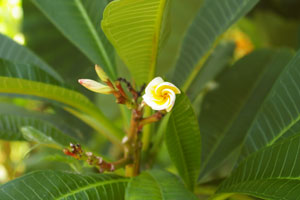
(12, 128)
(63, 96)
(12, 118)
(50, 135)
(228, 111)
(64, 185)
(183, 140)
(213, 19)
(79, 22)
(279, 116)
(26, 71)
(157, 185)
(135, 29)
(213, 66)
(45, 40)
(10, 50)
(271, 173)
(30, 72)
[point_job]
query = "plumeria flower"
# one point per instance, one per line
(96, 86)
(160, 95)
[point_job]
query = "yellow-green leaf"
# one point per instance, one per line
(135, 27)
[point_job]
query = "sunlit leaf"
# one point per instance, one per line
(157, 185)
(184, 141)
(64, 185)
(135, 29)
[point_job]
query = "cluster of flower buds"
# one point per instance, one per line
(76, 152)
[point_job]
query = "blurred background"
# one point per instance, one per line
(272, 23)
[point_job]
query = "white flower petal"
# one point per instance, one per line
(168, 85)
(151, 86)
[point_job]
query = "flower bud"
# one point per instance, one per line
(95, 86)
(100, 72)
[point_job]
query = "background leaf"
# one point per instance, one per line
(79, 22)
(228, 111)
(218, 60)
(271, 173)
(64, 185)
(279, 115)
(48, 43)
(136, 34)
(183, 140)
(213, 19)
(157, 185)
(13, 117)
(10, 50)
(11, 125)
(26, 71)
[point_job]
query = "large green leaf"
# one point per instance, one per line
(135, 28)
(184, 141)
(228, 111)
(280, 113)
(10, 50)
(63, 185)
(271, 173)
(80, 23)
(157, 185)
(64, 96)
(213, 19)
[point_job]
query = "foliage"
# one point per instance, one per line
(233, 131)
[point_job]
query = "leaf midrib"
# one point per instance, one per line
(158, 186)
(92, 30)
(95, 35)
